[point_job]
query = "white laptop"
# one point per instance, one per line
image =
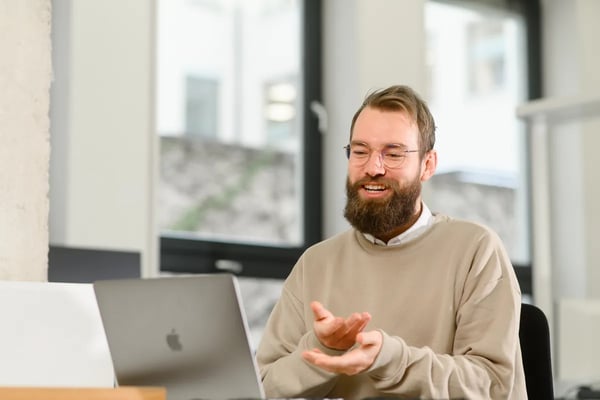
(187, 334)
(52, 336)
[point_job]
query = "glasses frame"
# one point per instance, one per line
(382, 153)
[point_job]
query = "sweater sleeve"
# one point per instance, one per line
(485, 348)
(284, 372)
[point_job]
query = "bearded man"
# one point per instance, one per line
(407, 303)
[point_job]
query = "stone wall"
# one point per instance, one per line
(225, 190)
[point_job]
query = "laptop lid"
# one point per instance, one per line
(52, 336)
(187, 334)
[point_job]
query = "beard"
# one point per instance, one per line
(380, 216)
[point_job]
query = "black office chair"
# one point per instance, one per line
(534, 335)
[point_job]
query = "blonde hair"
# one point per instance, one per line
(403, 98)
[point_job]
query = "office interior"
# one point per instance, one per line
(91, 180)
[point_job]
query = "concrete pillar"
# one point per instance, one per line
(25, 74)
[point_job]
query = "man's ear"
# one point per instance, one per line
(428, 165)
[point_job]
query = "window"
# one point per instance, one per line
(280, 111)
(235, 137)
(482, 63)
(201, 98)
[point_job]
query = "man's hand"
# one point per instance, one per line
(337, 332)
(353, 362)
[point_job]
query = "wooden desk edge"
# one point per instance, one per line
(60, 393)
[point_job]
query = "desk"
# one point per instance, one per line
(120, 393)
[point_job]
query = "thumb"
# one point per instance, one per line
(369, 338)
(319, 311)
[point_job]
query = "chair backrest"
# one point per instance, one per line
(534, 334)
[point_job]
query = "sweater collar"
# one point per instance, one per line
(416, 229)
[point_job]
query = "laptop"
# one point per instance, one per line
(52, 336)
(188, 334)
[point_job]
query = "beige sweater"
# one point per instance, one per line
(447, 302)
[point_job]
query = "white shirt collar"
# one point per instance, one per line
(424, 220)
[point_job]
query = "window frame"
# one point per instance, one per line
(186, 255)
(530, 9)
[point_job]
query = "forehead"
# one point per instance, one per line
(379, 127)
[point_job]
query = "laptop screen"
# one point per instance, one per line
(188, 334)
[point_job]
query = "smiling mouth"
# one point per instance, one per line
(374, 188)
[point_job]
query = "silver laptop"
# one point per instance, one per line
(52, 336)
(187, 334)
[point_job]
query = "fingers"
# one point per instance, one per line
(350, 363)
(371, 338)
(341, 334)
(319, 311)
(354, 324)
(312, 355)
(357, 322)
(337, 332)
(316, 357)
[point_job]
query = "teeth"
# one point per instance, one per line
(374, 187)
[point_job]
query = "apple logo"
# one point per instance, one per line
(173, 341)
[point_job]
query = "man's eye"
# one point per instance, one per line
(360, 153)
(394, 156)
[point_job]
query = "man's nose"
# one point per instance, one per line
(375, 165)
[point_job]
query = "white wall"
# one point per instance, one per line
(102, 167)
(571, 60)
(25, 72)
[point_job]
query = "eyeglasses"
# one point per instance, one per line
(392, 156)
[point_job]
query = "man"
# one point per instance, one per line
(407, 303)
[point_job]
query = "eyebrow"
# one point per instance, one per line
(386, 146)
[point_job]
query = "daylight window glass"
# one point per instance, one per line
(229, 118)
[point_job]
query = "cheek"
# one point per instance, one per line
(411, 174)
(355, 174)
(406, 178)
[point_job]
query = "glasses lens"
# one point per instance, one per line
(393, 158)
(359, 154)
